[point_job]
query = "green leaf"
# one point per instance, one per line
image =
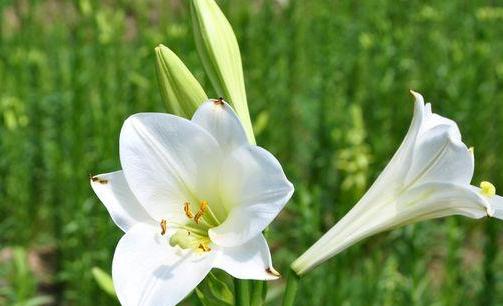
(104, 281)
(180, 90)
(214, 292)
(219, 51)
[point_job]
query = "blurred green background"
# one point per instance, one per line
(327, 85)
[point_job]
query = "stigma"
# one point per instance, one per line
(487, 189)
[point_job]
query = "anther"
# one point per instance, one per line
(187, 210)
(202, 208)
(204, 247)
(487, 189)
(219, 101)
(164, 226)
(99, 180)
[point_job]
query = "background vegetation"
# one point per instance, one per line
(327, 86)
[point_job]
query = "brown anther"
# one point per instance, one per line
(204, 247)
(219, 101)
(99, 180)
(273, 272)
(187, 210)
(164, 226)
(202, 208)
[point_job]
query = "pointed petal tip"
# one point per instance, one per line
(416, 95)
(273, 272)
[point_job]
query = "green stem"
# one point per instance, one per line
(292, 285)
(257, 296)
(241, 292)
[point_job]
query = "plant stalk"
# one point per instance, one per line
(241, 292)
(257, 293)
(292, 285)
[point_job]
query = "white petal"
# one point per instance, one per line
(122, 205)
(494, 203)
(432, 120)
(146, 270)
(435, 200)
(218, 118)
(251, 260)
(392, 176)
(254, 190)
(439, 157)
(168, 160)
(428, 201)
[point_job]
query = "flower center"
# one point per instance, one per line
(194, 233)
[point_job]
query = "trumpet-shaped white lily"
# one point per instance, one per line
(192, 196)
(428, 177)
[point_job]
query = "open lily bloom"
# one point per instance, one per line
(192, 196)
(428, 177)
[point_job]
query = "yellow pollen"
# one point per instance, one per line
(204, 247)
(186, 209)
(202, 208)
(488, 189)
(164, 226)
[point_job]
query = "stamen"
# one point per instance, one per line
(219, 101)
(187, 210)
(488, 189)
(99, 180)
(202, 208)
(204, 247)
(164, 226)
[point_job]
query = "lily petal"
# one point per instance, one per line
(147, 271)
(218, 118)
(394, 172)
(427, 201)
(251, 260)
(436, 200)
(165, 160)
(254, 189)
(122, 205)
(440, 157)
(496, 203)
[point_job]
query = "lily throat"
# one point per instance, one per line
(192, 234)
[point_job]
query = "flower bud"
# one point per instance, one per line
(180, 90)
(219, 51)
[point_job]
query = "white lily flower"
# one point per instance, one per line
(428, 177)
(192, 196)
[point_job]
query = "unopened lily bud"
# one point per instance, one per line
(180, 90)
(219, 51)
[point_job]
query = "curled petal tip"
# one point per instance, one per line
(416, 95)
(273, 272)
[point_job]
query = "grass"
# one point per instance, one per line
(327, 85)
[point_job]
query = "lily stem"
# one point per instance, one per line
(241, 292)
(292, 285)
(257, 293)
